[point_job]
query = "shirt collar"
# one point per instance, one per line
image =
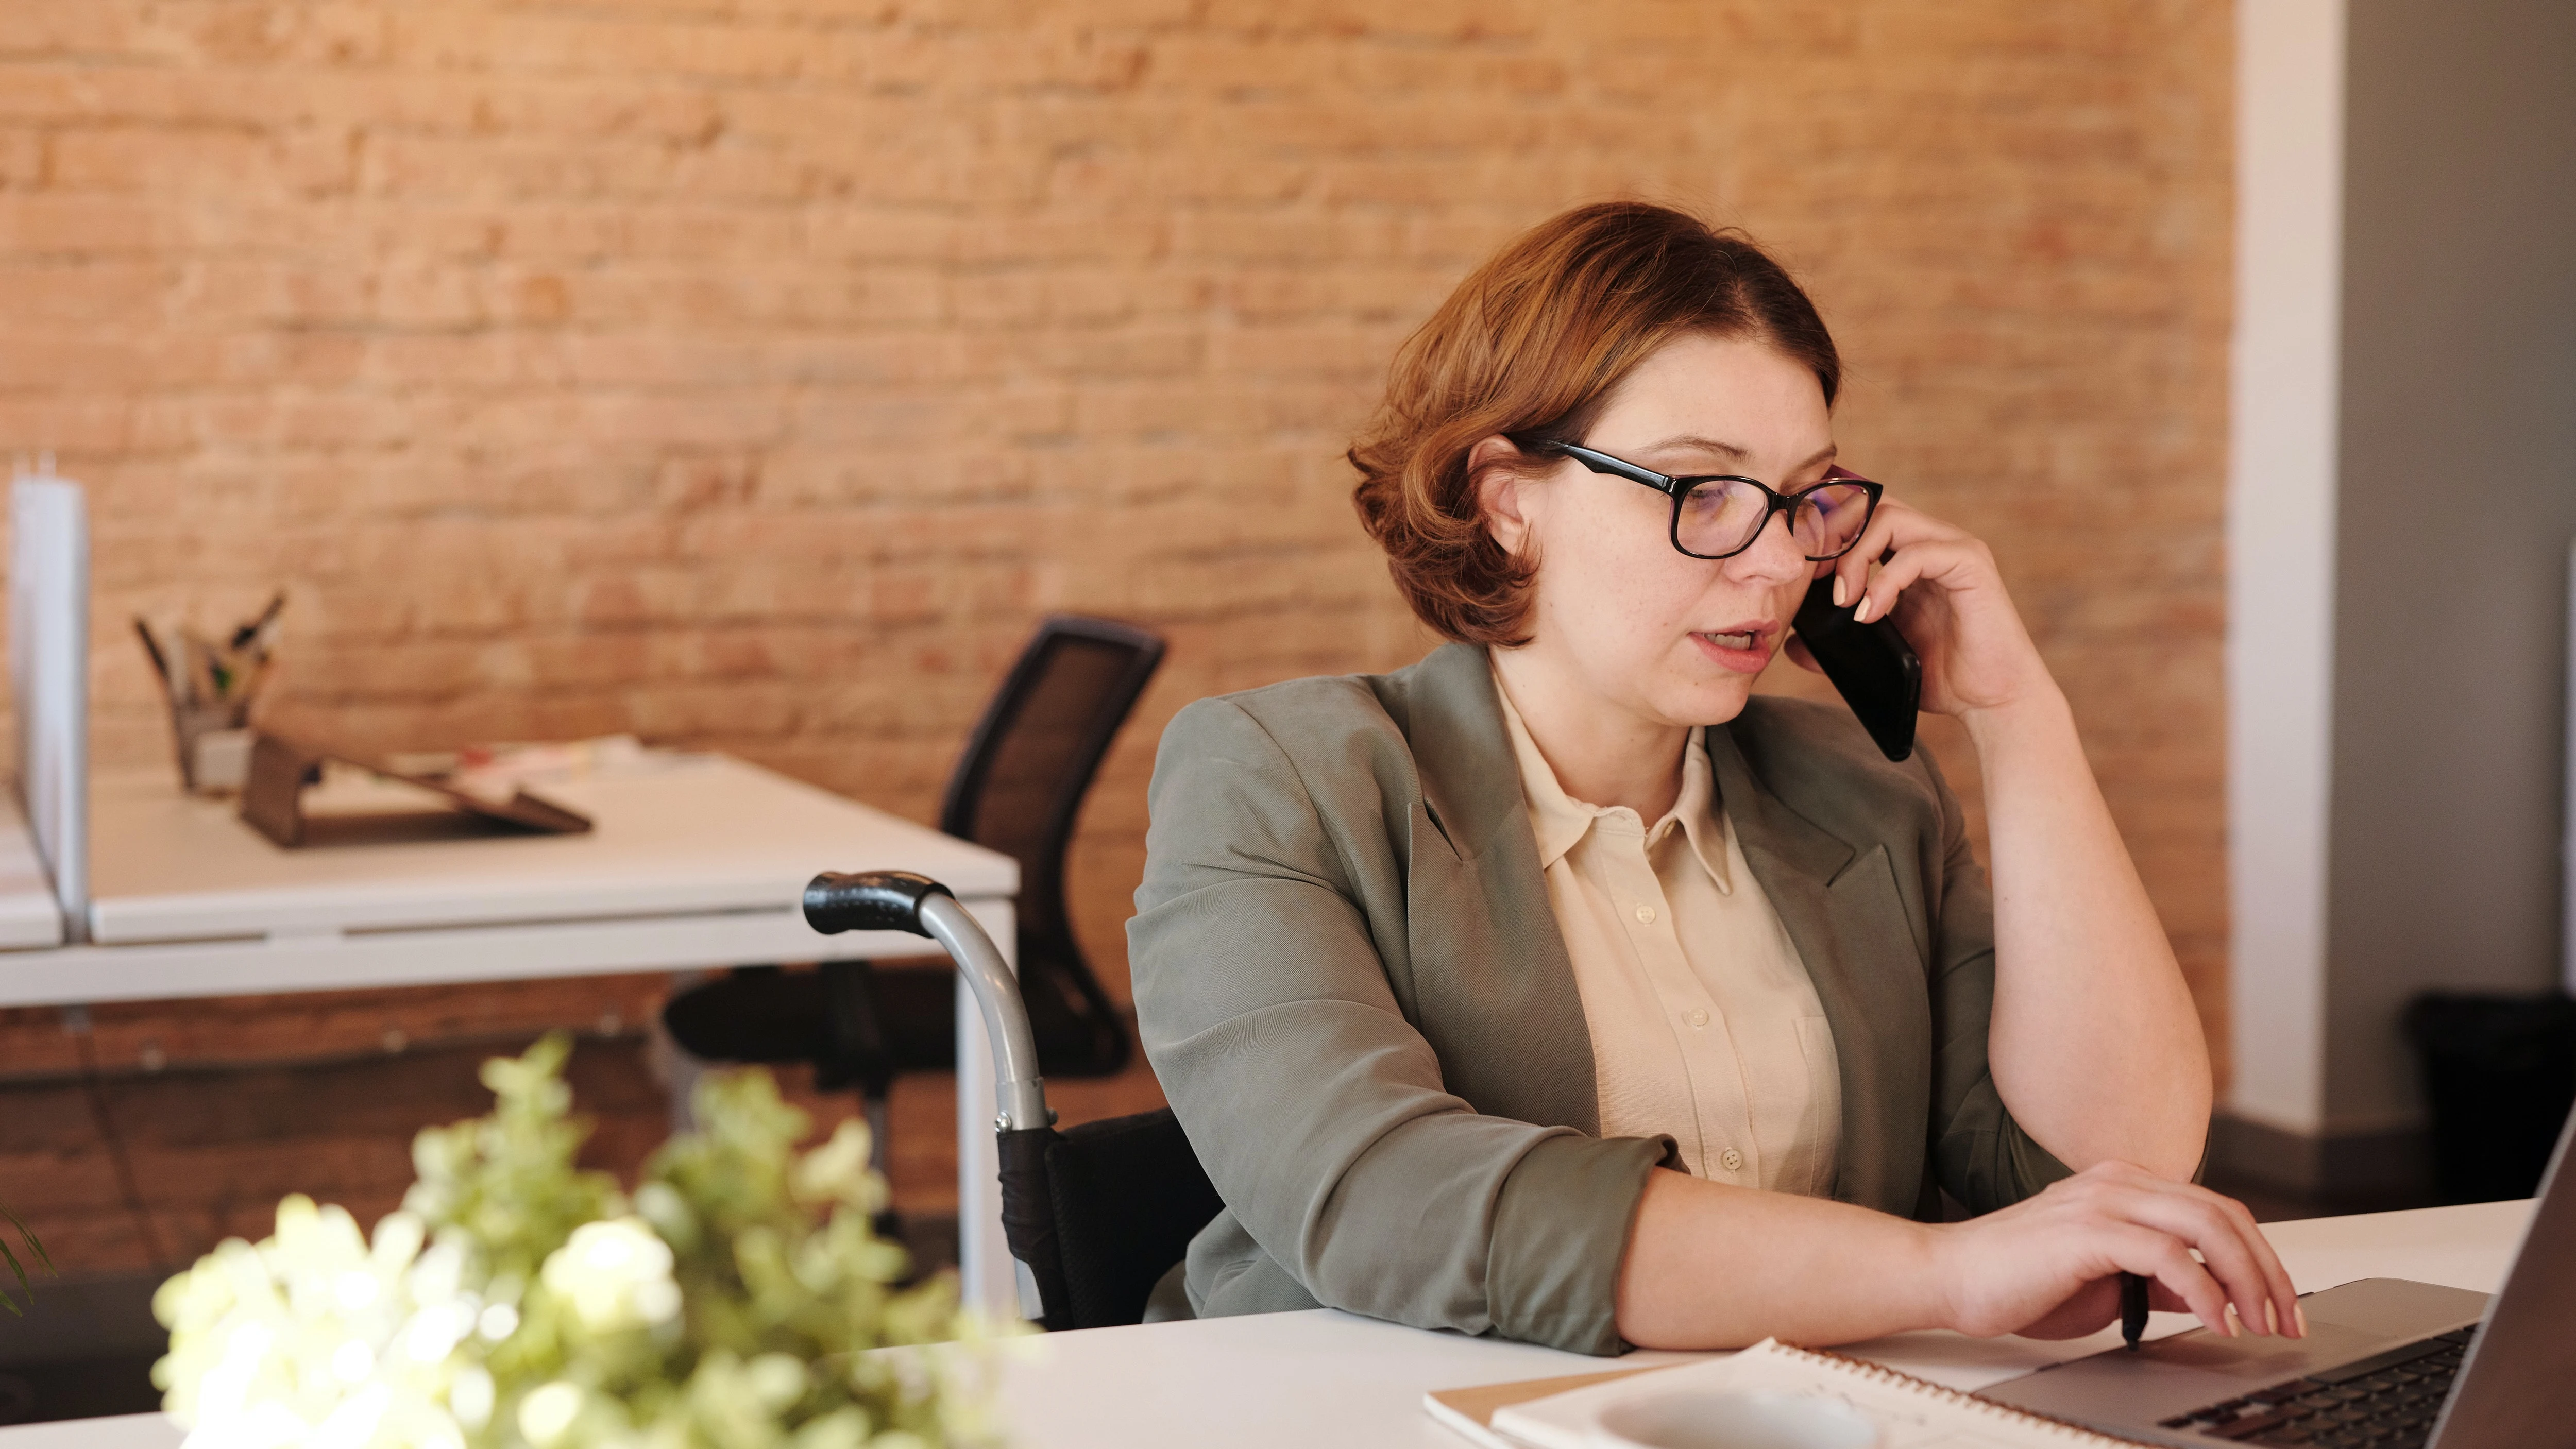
(1560, 821)
(1701, 821)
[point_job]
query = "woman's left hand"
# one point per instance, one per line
(1948, 600)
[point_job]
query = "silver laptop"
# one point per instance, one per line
(2386, 1362)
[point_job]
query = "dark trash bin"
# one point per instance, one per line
(2500, 1072)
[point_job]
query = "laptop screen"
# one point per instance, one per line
(2518, 1387)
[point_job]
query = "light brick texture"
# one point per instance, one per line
(751, 374)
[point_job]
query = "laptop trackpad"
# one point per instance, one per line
(2189, 1370)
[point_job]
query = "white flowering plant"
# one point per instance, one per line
(517, 1301)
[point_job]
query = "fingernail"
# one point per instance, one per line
(2271, 1319)
(1860, 615)
(1842, 590)
(2299, 1311)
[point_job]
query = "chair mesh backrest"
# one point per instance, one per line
(1033, 754)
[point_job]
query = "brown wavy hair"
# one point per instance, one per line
(1530, 346)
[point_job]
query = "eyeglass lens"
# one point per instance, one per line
(1722, 515)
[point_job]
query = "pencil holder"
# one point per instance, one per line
(214, 746)
(211, 685)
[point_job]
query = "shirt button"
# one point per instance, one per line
(1695, 1017)
(1646, 914)
(1732, 1160)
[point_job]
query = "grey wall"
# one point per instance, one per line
(2457, 503)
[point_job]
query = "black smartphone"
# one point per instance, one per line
(1870, 663)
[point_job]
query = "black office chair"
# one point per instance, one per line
(1098, 1212)
(1016, 789)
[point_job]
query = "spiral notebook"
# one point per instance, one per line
(1910, 1412)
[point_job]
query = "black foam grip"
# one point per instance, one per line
(872, 900)
(1029, 1219)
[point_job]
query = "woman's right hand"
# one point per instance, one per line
(2048, 1266)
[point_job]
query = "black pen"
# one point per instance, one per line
(2133, 1308)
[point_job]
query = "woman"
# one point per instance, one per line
(1558, 987)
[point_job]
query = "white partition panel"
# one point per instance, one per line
(49, 674)
(2280, 543)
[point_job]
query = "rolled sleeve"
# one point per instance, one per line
(1981, 1156)
(1553, 1272)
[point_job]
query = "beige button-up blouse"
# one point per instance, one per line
(1703, 1021)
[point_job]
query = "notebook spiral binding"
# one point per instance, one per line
(1880, 1374)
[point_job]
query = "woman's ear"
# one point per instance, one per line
(1496, 466)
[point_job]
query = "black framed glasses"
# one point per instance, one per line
(1719, 515)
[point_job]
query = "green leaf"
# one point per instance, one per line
(34, 1248)
(23, 1285)
(29, 1234)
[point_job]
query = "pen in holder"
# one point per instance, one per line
(211, 685)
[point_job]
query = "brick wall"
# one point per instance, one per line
(751, 374)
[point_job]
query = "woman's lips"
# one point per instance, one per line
(1746, 651)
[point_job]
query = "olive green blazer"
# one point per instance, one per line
(1352, 986)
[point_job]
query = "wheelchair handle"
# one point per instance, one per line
(876, 900)
(899, 900)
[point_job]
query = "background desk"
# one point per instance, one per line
(693, 861)
(28, 915)
(1298, 1380)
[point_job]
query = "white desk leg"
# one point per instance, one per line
(989, 1275)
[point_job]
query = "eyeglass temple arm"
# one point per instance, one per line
(1615, 467)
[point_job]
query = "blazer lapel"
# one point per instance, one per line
(1496, 991)
(1462, 750)
(1839, 905)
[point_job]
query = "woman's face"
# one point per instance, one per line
(1616, 609)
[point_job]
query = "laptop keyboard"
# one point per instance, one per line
(2387, 1401)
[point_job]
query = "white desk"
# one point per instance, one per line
(28, 915)
(673, 837)
(1298, 1380)
(692, 862)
